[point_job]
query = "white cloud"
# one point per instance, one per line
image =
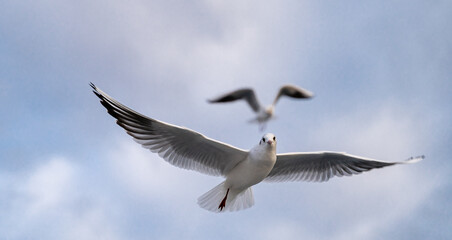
(48, 186)
(50, 200)
(92, 224)
(387, 131)
(284, 229)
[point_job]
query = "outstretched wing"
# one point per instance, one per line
(321, 166)
(245, 93)
(179, 146)
(293, 92)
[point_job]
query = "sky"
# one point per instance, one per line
(380, 72)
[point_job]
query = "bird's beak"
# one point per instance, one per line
(269, 142)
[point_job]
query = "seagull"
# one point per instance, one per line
(264, 114)
(241, 169)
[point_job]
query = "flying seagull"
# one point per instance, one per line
(264, 114)
(242, 169)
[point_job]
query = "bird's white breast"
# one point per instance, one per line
(254, 169)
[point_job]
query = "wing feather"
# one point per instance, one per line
(321, 166)
(293, 92)
(244, 93)
(179, 146)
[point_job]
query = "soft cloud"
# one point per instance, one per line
(48, 186)
(50, 200)
(147, 176)
(383, 131)
(285, 229)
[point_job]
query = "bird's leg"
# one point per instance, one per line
(223, 202)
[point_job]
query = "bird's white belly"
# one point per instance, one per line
(249, 173)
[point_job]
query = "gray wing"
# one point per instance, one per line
(245, 93)
(321, 166)
(179, 146)
(293, 92)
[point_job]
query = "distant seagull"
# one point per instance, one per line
(242, 169)
(264, 114)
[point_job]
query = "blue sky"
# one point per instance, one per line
(380, 71)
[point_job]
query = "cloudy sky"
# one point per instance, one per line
(380, 70)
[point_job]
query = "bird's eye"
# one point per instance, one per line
(274, 138)
(263, 139)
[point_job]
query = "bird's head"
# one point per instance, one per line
(268, 139)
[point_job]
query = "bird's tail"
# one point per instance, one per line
(235, 201)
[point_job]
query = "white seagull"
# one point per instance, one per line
(264, 114)
(242, 169)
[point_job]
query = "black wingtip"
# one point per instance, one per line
(418, 157)
(303, 94)
(97, 92)
(93, 87)
(415, 159)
